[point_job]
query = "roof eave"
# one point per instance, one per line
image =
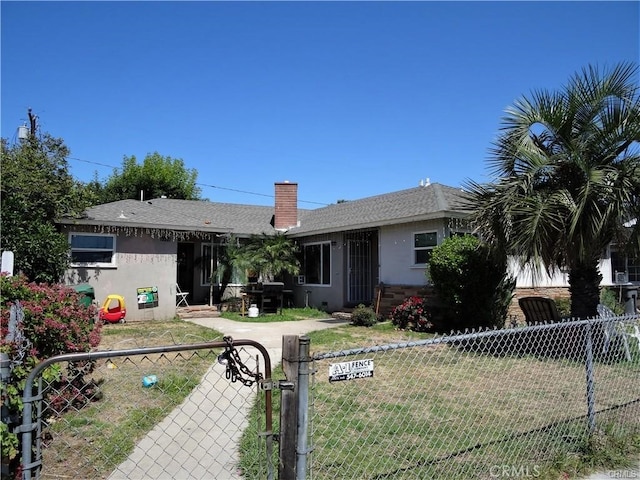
(383, 223)
(112, 224)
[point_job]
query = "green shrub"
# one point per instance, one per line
(363, 316)
(471, 282)
(55, 322)
(609, 298)
(564, 306)
(413, 314)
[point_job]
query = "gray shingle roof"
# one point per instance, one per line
(184, 215)
(420, 203)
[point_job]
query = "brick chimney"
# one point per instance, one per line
(286, 212)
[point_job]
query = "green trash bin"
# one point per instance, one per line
(86, 292)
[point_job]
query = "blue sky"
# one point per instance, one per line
(348, 99)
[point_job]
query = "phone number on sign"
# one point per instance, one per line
(351, 376)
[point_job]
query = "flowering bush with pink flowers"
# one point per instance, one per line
(54, 322)
(412, 314)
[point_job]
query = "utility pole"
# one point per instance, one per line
(32, 123)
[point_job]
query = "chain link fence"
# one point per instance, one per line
(521, 402)
(172, 412)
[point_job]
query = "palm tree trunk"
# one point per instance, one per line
(584, 287)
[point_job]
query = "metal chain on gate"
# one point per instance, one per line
(235, 368)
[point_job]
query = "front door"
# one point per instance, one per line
(185, 268)
(359, 288)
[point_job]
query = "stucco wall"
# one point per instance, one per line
(325, 297)
(396, 252)
(140, 262)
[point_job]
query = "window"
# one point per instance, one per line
(92, 249)
(629, 265)
(317, 263)
(237, 277)
(423, 244)
(206, 264)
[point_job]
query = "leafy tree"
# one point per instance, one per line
(36, 190)
(472, 283)
(568, 181)
(155, 177)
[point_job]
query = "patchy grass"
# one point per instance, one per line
(443, 412)
(154, 333)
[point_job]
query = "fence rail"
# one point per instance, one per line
(477, 405)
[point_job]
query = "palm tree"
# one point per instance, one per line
(270, 256)
(568, 168)
(229, 257)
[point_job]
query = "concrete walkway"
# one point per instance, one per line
(198, 439)
(268, 334)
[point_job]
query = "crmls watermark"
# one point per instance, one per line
(514, 471)
(623, 474)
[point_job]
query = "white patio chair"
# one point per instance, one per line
(635, 334)
(181, 297)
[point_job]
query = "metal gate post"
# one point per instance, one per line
(303, 408)
(591, 401)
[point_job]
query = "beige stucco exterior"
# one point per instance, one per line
(140, 262)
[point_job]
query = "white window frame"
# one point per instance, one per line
(323, 274)
(631, 266)
(111, 264)
(415, 250)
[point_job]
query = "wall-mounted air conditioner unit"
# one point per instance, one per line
(622, 277)
(301, 279)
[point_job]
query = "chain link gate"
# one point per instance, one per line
(194, 421)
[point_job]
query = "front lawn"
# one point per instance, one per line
(445, 412)
(287, 315)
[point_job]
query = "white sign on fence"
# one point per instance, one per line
(7, 263)
(350, 370)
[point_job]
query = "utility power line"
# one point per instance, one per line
(202, 184)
